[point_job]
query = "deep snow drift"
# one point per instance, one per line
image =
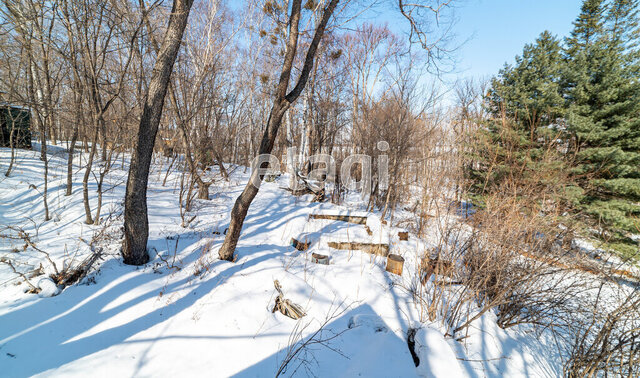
(196, 315)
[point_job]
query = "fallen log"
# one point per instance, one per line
(307, 187)
(343, 218)
(311, 186)
(317, 196)
(298, 192)
(374, 249)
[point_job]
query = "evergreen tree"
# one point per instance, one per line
(588, 27)
(526, 104)
(622, 19)
(577, 105)
(530, 91)
(603, 117)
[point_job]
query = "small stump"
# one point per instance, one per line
(403, 236)
(320, 259)
(300, 246)
(395, 264)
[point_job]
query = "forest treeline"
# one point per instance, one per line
(211, 83)
(216, 83)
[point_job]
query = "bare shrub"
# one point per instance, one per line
(171, 261)
(605, 339)
(71, 272)
(508, 255)
(299, 352)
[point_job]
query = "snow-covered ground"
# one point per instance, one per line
(198, 316)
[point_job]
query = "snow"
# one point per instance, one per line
(368, 321)
(437, 359)
(198, 316)
(47, 287)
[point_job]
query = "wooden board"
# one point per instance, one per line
(344, 218)
(374, 249)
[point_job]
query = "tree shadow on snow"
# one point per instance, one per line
(369, 349)
(49, 332)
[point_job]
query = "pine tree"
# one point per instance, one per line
(623, 24)
(588, 27)
(530, 91)
(603, 117)
(526, 105)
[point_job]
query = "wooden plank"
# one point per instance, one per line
(344, 218)
(374, 249)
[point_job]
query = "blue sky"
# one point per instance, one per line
(489, 33)
(499, 29)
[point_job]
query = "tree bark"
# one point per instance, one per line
(136, 223)
(72, 147)
(11, 143)
(281, 104)
(85, 180)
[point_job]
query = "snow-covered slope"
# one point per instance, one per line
(198, 316)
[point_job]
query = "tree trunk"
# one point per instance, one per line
(96, 220)
(46, 181)
(36, 97)
(85, 180)
(281, 104)
(291, 164)
(203, 190)
(136, 223)
(220, 164)
(241, 206)
(72, 147)
(11, 144)
(74, 137)
(103, 145)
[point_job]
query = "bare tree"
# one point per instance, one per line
(136, 222)
(12, 75)
(281, 103)
(34, 23)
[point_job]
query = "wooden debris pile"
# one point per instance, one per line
(285, 306)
